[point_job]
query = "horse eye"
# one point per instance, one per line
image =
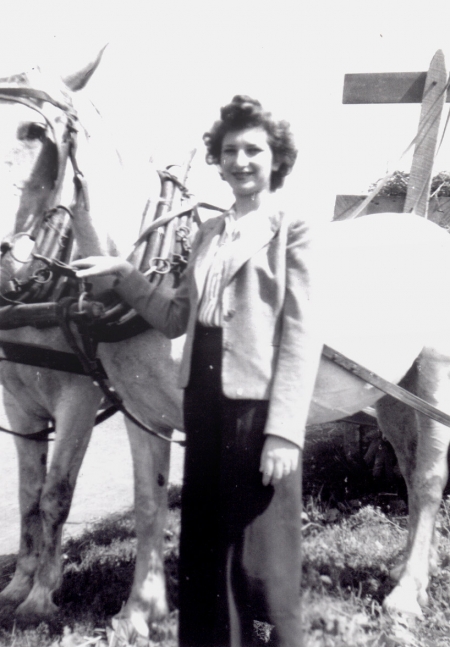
(32, 132)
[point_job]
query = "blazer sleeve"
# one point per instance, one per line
(165, 308)
(300, 348)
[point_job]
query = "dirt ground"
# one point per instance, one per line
(105, 483)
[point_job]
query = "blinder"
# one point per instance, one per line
(50, 232)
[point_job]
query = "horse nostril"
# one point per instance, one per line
(5, 246)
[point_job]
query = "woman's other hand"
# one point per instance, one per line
(279, 458)
(102, 266)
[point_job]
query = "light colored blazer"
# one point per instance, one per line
(271, 348)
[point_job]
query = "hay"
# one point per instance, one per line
(398, 184)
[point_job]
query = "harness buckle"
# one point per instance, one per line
(54, 265)
(159, 265)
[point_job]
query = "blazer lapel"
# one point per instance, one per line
(257, 231)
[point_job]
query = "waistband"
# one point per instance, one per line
(207, 331)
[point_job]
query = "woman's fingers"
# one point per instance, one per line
(84, 262)
(280, 469)
(101, 266)
(274, 470)
(278, 459)
(89, 266)
(267, 471)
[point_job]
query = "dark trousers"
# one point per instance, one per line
(240, 540)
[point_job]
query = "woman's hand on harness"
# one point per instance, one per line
(279, 458)
(102, 266)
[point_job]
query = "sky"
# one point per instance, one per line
(170, 65)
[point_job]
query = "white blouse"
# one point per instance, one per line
(210, 307)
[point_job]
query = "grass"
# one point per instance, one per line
(353, 534)
(98, 571)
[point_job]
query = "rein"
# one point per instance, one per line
(42, 436)
(395, 391)
(88, 360)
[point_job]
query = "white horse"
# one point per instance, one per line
(384, 301)
(31, 143)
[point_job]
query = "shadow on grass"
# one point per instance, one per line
(7, 566)
(98, 568)
(342, 461)
(353, 554)
(353, 533)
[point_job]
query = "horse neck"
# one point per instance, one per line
(110, 223)
(90, 242)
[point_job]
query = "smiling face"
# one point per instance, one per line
(247, 161)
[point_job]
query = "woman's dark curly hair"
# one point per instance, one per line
(244, 112)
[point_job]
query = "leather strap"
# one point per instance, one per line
(389, 388)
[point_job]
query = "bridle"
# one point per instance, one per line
(50, 234)
(162, 248)
(66, 148)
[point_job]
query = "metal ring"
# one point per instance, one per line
(42, 276)
(54, 210)
(166, 265)
(14, 238)
(183, 232)
(81, 300)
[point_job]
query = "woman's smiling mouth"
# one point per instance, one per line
(242, 175)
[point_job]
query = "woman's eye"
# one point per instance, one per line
(32, 132)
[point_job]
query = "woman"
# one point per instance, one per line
(248, 370)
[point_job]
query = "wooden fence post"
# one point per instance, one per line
(429, 88)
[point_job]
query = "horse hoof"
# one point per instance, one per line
(13, 595)
(396, 572)
(8, 603)
(422, 597)
(130, 629)
(7, 617)
(403, 601)
(134, 619)
(434, 563)
(28, 613)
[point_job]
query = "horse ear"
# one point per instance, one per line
(78, 80)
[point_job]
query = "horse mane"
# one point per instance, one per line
(18, 79)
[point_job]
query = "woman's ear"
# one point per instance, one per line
(276, 164)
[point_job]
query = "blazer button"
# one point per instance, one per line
(229, 315)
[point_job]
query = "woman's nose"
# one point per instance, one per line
(241, 158)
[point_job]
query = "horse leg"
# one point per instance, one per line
(147, 601)
(32, 460)
(74, 419)
(421, 445)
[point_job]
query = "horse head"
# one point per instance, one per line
(42, 139)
